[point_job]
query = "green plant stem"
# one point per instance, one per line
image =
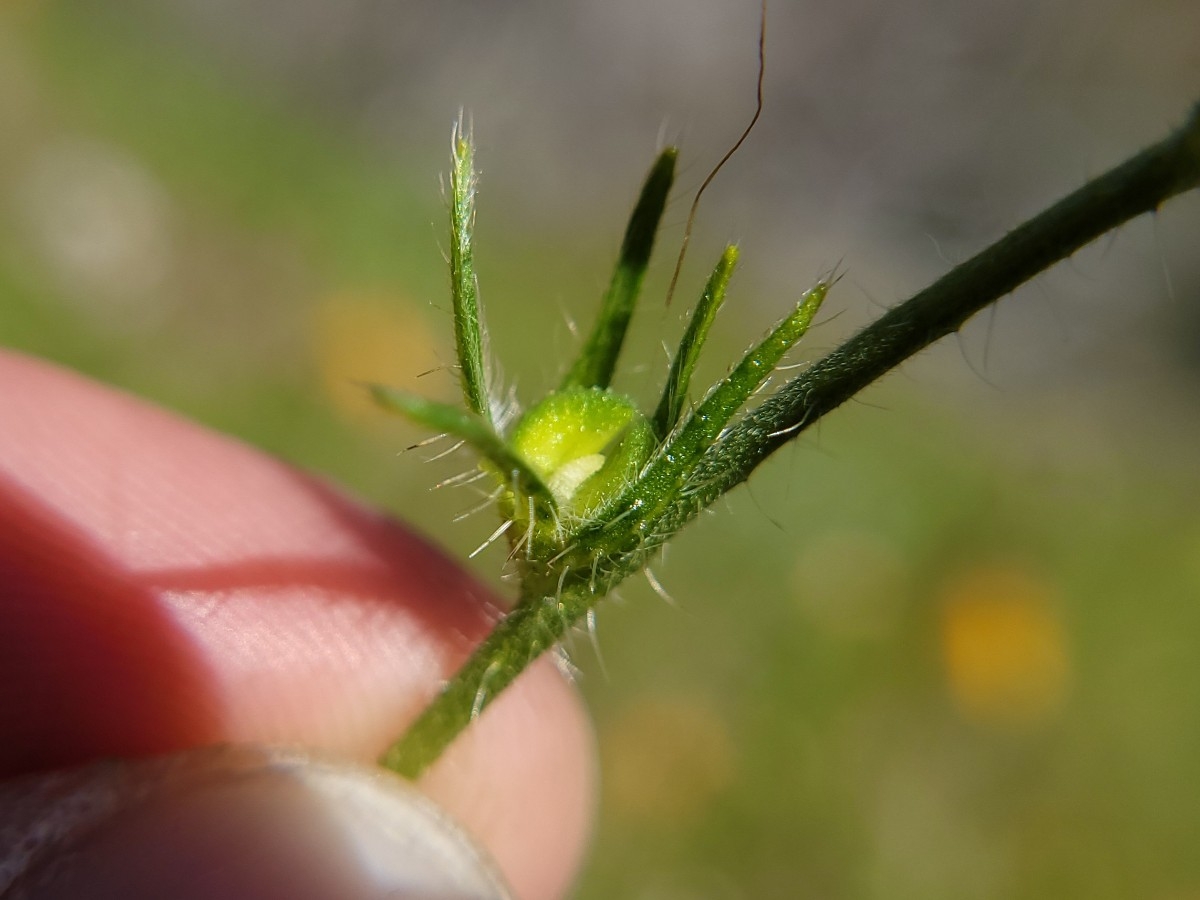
(555, 600)
(523, 635)
(1139, 185)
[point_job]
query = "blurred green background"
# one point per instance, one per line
(942, 646)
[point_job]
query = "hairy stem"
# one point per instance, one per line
(532, 628)
(1139, 185)
(555, 599)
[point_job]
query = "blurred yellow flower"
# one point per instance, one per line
(1003, 646)
(360, 337)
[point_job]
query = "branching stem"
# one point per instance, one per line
(567, 586)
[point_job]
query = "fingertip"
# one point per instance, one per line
(247, 601)
(241, 821)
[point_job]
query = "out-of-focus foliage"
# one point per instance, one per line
(945, 647)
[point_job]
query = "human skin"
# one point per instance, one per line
(163, 587)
